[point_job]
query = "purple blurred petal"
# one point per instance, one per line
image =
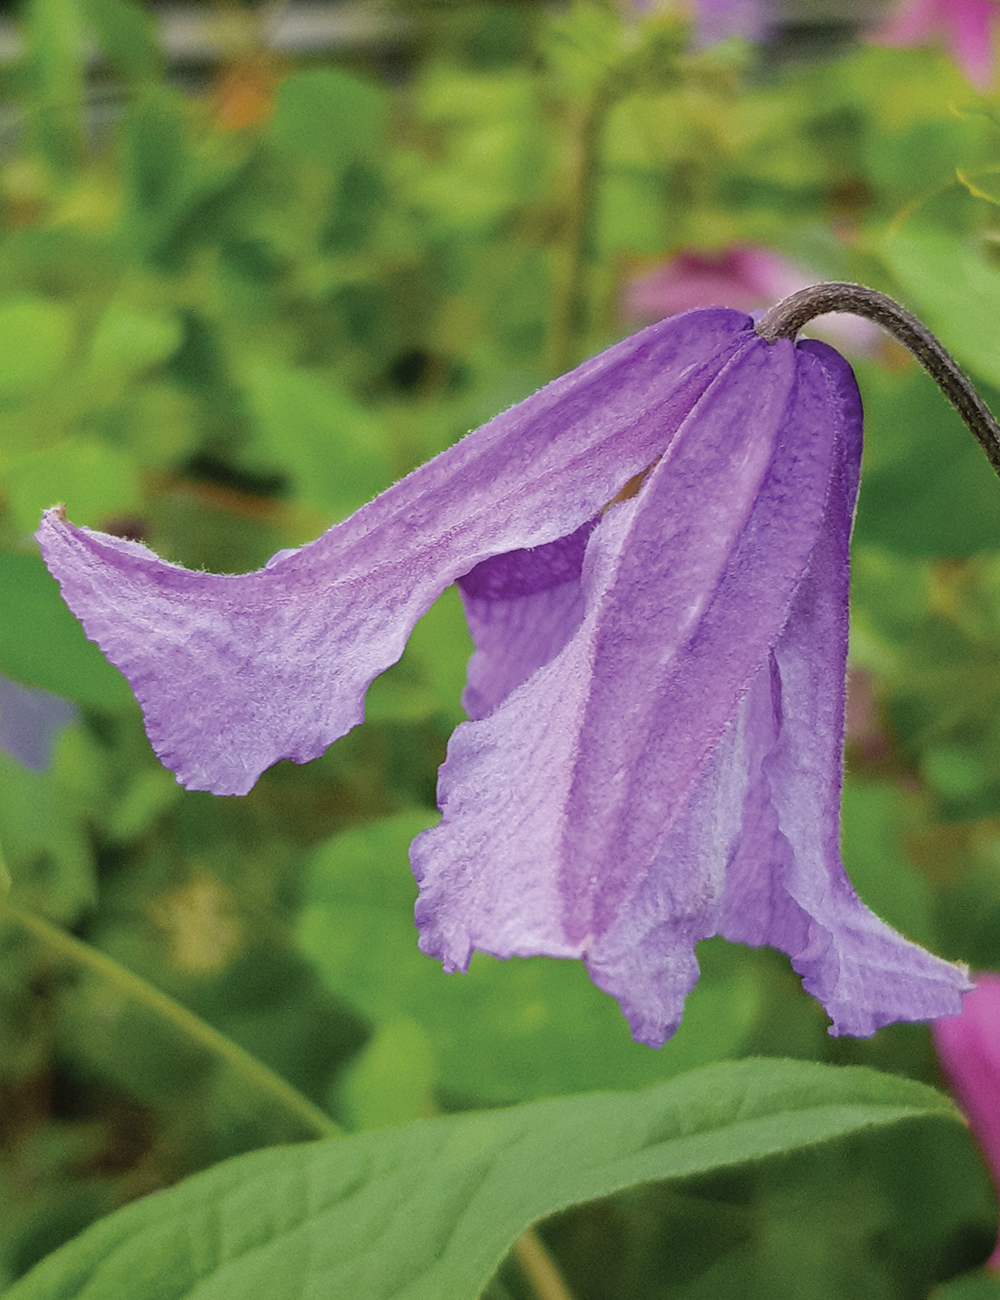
(968, 1047)
(236, 672)
(967, 27)
(744, 276)
(30, 722)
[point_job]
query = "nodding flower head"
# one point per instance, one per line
(656, 697)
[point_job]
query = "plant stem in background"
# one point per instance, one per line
(572, 273)
(193, 1027)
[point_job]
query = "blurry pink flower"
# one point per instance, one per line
(745, 276)
(966, 27)
(968, 1047)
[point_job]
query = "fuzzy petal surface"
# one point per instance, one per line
(521, 609)
(234, 672)
(556, 805)
(786, 885)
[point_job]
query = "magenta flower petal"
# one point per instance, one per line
(745, 276)
(967, 27)
(968, 1047)
(236, 672)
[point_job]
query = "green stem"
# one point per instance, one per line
(192, 1026)
(569, 312)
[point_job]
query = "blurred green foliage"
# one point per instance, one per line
(251, 305)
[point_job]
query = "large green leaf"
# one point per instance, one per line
(427, 1211)
(41, 643)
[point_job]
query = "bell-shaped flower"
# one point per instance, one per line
(653, 556)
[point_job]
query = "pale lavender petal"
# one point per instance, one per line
(786, 885)
(703, 587)
(521, 608)
(30, 721)
(556, 805)
(646, 957)
(234, 672)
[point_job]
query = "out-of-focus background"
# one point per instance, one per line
(258, 262)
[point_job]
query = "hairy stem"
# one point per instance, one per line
(193, 1027)
(787, 318)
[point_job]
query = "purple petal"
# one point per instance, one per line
(234, 672)
(968, 1047)
(786, 885)
(556, 805)
(521, 608)
(30, 720)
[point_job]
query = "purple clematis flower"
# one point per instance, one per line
(657, 692)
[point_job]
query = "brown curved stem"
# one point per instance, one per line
(787, 318)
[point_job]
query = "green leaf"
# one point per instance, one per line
(919, 460)
(127, 35)
(93, 479)
(427, 1211)
(42, 644)
(44, 843)
(328, 116)
(129, 338)
(973, 1286)
(336, 451)
(875, 815)
(35, 338)
(56, 58)
(503, 1031)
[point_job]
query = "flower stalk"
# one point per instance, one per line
(786, 319)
